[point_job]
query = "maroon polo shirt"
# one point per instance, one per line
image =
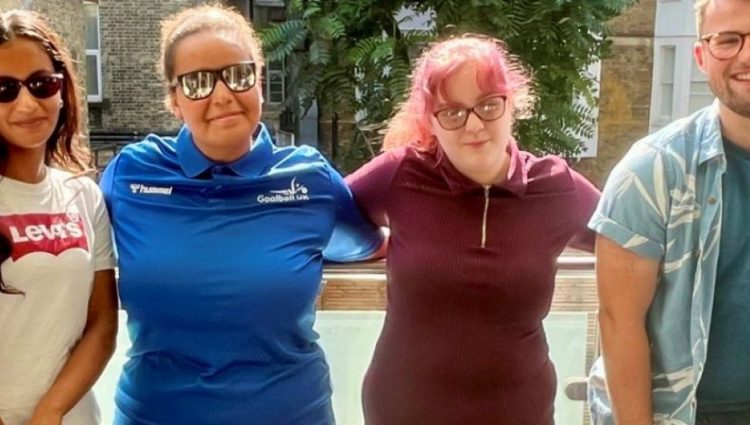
(471, 272)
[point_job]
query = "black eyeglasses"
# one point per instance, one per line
(41, 86)
(487, 110)
(725, 45)
(200, 84)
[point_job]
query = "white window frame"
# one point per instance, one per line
(95, 98)
(674, 26)
(682, 79)
(267, 83)
(701, 78)
(662, 78)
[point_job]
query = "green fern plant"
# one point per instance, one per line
(351, 56)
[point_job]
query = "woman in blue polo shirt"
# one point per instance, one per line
(221, 237)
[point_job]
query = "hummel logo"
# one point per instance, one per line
(150, 190)
(296, 192)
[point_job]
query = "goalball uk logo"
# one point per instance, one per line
(295, 192)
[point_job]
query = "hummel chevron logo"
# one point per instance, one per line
(150, 190)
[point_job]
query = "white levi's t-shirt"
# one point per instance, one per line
(60, 235)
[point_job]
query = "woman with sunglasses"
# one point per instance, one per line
(58, 303)
(471, 276)
(220, 239)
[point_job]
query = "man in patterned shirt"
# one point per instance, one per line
(673, 264)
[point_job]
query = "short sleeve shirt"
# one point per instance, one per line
(220, 266)
(60, 236)
(664, 201)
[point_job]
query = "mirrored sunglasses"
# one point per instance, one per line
(200, 84)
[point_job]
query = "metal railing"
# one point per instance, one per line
(351, 311)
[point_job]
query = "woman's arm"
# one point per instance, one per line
(380, 253)
(88, 358)
(626, 283)
(361, 211)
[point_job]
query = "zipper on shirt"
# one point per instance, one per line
(484, 216)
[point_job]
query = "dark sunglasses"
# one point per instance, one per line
(198, 85)
(40, 86)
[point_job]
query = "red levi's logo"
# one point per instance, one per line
(50, 233)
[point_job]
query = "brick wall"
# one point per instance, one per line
(637, 21)
(625, 99)
(131, 87)
(133, 94)
(67, 21)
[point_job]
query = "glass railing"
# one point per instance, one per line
(351, 315)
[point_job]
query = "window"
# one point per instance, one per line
(274, 84)
(93, 53)
(666, 85)
(679, 86)
(700, 92)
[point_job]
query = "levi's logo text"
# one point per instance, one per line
(137, 188)
(295, 192)
(50, 233)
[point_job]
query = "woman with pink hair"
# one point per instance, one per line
(476, 226)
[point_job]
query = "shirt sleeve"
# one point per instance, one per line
(106, 182)
(354, 238)
(587, 198)
(634, 206)
(104, 257)
(371, 183)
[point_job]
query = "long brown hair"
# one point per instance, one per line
(64, 147)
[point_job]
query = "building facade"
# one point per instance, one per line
(127, 95)
(648, 80)
(625, 90)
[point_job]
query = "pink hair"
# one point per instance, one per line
(498, 72)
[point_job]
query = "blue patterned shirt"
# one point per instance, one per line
(663, 201)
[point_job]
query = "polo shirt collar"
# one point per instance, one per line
(515, 182)
(251, 164)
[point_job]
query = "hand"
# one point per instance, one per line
(45, 416)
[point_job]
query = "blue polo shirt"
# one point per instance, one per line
(220, 266)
